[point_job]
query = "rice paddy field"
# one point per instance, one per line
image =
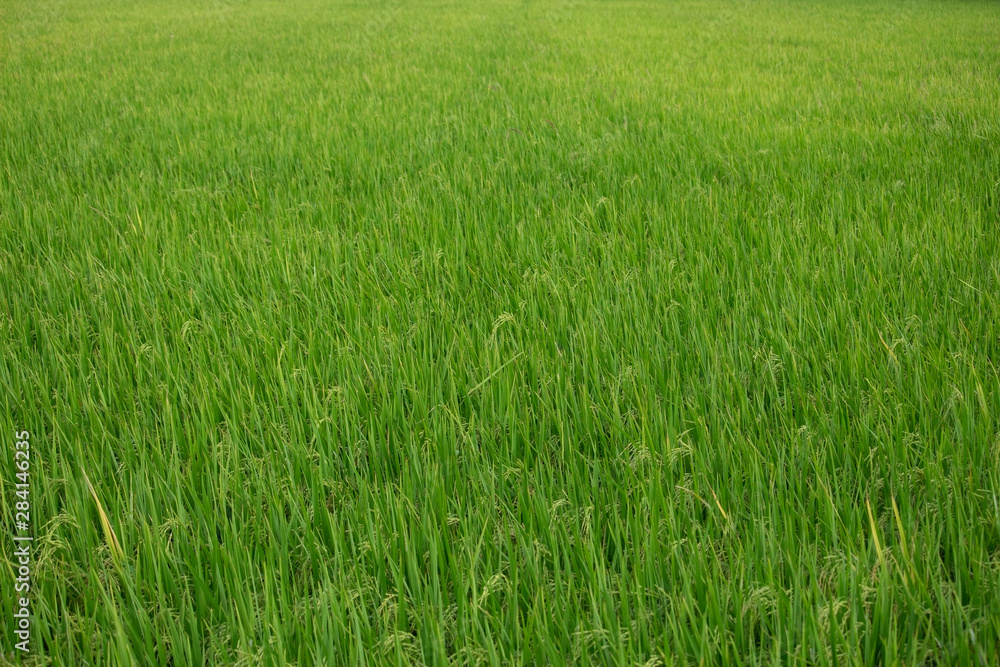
(501, 333)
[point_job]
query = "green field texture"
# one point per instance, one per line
(509, 333)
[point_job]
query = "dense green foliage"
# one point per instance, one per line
(509, 332)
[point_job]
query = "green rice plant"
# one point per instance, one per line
(520, 332)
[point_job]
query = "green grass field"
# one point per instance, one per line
(530, 333)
